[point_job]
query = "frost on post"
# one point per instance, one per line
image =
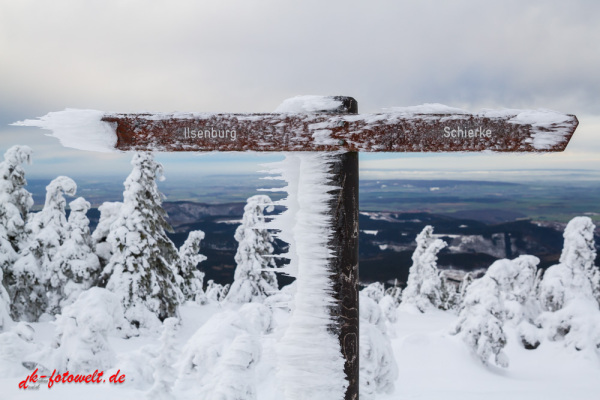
(310, 360)
(254, 278)
(424, 287)
(141, 267)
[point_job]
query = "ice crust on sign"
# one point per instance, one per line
(78, 129)
(309, 104)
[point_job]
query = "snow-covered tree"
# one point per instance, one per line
(375, 291)
(191, 279)
(5, 319)
(219, 359)
(165, 373)
(378, 369)
(82, 332)
(505, 294)
(109, 212)
(395, 292)
(216, 292)
(234, 376)
(388, 305)
(30, 278)
(16, 344)
(450, 292)
(424, 287)
(142, 267)
(254, 278)
(75, 267)
(480, 322)
(572, 313)
(15, 201)
(573, 276)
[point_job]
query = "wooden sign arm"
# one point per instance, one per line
(497, 131)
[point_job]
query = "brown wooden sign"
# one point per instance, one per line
(385, 132)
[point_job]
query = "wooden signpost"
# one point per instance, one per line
(345, 132)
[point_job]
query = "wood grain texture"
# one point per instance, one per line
(386, 132)
(344, 264)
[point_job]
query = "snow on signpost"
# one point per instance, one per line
(321, 221)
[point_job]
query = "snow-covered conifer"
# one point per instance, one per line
(567, 293)
(389, 308)
(480, 322)
(254, 278)
(216, 292)
(165, 373)
(82, 332)
(15, 201)
(234, 377)
(30, 278)
(505, 294)
(220, 357)
(424, 287)
(378, 369)
(109, 212)
(190, 278)
(142, 266)
(75, 267)
(395, 292)
(573, 276)
(5, 319)
(450, 292)
(375, 291)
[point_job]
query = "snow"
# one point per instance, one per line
(541, 120)
(432, 364)
(427, 108)
(79, 129)
(308, 104)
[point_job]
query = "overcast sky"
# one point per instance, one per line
(247, 56)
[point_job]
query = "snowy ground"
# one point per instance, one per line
(433, 365)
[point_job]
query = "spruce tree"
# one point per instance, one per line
(15, 203)
(15, 200)
(254, 278)
(567, 291)
(191, 279)
(142, 266)
(424, 286)
(75, 267)
(164, 369)
(109, 212)
(5, 319)
(32, 271)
